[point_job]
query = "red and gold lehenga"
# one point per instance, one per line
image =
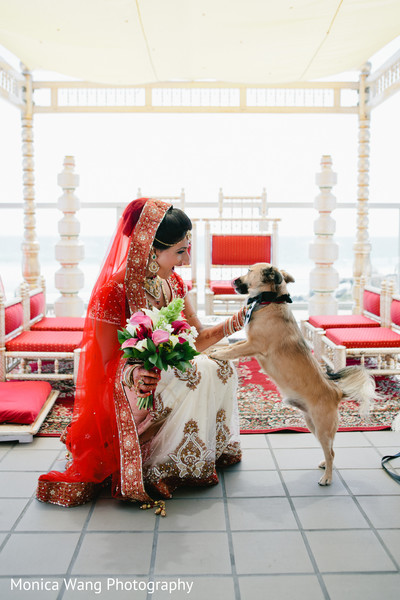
(193, 427)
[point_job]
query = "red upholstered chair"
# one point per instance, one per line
(375, 303)
(232, 245)
(381, 345)
(19, 347)
(37, 313)
(24, 406)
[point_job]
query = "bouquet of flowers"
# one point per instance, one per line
(159, 338)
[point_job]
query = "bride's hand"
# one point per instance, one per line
(145, 382)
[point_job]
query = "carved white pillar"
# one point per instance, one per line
(323, 251)
(362, 246)
(30, 245)
(69, 250)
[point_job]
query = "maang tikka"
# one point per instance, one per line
(153, 265)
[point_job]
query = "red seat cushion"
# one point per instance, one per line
(335, 321)
(240, 249)
(222, 287)
(45, 341)
(59, 323)
(364, 337)
(21, 401)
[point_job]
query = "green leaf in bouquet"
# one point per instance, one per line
(123, 335)
(148, 365)
(153, 359)
(151, 346)
(160, 363)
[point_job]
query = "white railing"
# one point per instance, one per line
(78, 96)
(285, 210)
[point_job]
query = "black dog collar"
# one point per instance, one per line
(262, 299)
(268, 297)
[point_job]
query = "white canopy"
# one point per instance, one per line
(238, 41)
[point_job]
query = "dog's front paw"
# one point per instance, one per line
(218, 355)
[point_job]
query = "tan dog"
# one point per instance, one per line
(275, 340)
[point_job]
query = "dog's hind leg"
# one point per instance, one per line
(325, 434)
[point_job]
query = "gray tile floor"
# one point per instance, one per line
(267, 531)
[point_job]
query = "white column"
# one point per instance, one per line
(362, 246)
(69, 250)
(30, 245)
(323, 250)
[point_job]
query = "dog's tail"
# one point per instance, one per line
(356, 384)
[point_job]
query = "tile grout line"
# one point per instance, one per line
(230, 538)
(299, 525)
(369, 522)
(153, 552)
(77, 548)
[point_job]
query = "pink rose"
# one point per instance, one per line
(130, 343)
(159, 336)
(179, 326)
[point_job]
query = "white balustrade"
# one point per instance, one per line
(323, 250)
(69, 251)
(362, 245)
(30, 245)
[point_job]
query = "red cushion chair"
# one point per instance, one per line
(22, 401)
(229, 252)
(45, 341)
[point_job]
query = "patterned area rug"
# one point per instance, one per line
(261, 409)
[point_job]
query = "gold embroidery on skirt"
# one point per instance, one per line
(191, 459)
(224, 371)
(222, 433)
(160, 412)
(192, 376)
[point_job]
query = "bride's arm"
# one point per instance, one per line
(211, 335)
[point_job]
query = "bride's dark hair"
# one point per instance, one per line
(172, 228)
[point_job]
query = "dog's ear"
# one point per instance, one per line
(287, 277)
(271, 275)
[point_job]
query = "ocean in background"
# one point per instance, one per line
(292, 256)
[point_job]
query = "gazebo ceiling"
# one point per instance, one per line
(238, 41)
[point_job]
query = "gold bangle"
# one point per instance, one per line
(128, 375)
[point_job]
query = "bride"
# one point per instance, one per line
(193, 426)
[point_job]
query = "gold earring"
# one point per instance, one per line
(153, 265)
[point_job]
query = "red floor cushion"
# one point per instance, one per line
(59, 323)
(45, 341)
(222, 287)
(21, 401)
(364, 337)
(334, 321)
